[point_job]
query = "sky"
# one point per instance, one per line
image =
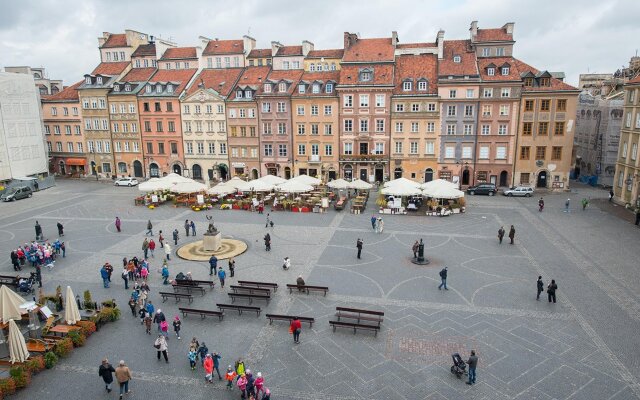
(573, 36)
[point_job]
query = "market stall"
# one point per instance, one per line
(444, 197)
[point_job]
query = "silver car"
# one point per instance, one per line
(523, 191)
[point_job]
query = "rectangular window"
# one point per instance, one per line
(348, 100)
(501, 153)
(348, 125)
(282, 150)
(282, 128)
(282, 107)
(627, 122)
(379, 149)
(484, 152)
(212, 148)
(485, 130)
(486, 110)
(314, 129)
(504, 110)
(529, 105)
(431, 107)
(505, 92)
(136, 147)
(315, 149)
(451, 129)
(223, 148)
(527, 128)
(543, 128)
(266, 128)
(468, 111)
(70, 147)
(399, 107)
(413, 148)
(301, 129)
(266, 108)
(115, 127)
(502, 129)
(430, 148)
(243, 113)
(468, 129)
(302, 149)
(561, 105)
(524, 178)
(431, 127)
(470, 93)
(67, 130)
(449, 152)
(541, 152)
(364, 125)
(189, 148)
(624, 149)
(160, 148)
(300, 110)
(559, 128)
(327, 110)
(525, 152)
(398, 147)
(159, 127)
(379, 125)
(314, 110)
(487, 92)
(364, 100)
(634, 151)
(127, 147)
(380, 100)
(348, 149)
(399, 126)
(328, 129)
(556, 153)
(415, 107)
(415, 127)
(545, 105)
(451, 111)
(200, 148)
(149, 148)
(328, 150)
(77, 130)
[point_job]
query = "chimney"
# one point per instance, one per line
(307, 46)
(103, 38)
(350, 39)
(508, 27)
(473, 30)
(440, 43)
(249, 44)
(274, 48)
(394, 38)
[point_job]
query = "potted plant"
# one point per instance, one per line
(50, 359)
(77, 338)
(35, 364)
(87, 327)
(63, 347)
(7, 386)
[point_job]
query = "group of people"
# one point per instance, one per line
(251, 387)
(512, 234)
(38, 254)
(377, 224)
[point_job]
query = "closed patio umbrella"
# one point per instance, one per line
(17, 347)
(10, 303)
(71, 312)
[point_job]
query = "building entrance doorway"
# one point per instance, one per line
(363, 174)
(379, 174)
(137, 169)
(465, 177)
(397, 173)
(503, 178)
(542, 179)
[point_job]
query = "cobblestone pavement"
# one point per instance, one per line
(583, 347)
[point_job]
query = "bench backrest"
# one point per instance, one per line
(196, 310)
(203, 282)
(307, 319)
(266, 290)
(258, 283)
(236, 306)
(249, 295)
(356, 310)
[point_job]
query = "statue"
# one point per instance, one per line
(211, 230)
(421, 251)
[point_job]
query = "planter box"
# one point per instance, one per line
(304, 209)
(295, 209)
(235, 207)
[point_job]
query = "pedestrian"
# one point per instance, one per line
(221, 276)
(105, 276)
(132, 306)
(473, 363)
(359, 244)
(14, 260)
(193, 228)
(167, 251)
(149, 228)
(192, 359)
(373, 222)
(500, 234)
(194, 345)
(380, 225)
(213, 265)
(415, 248)
(60, 229)
(267, 394)
(152, 247)
(175, 236)
(39, 275)
(295, 327)
(208, 368)
(259, 384)
(566, 205)
(158, 319)
(286, 263)
(266, 225)
(161, 239)
(187, 226)
(147, 322)
(177, 324)
(232, 267)
(540, 286)
(203, 350)
(637, 215)
(39, 234)
(145, 247)
(118, 224)
(125, 278)
(216, 364)
(300, 283)
(64, 249)
(610, 195)
(242, 385)
(512, 234)
(267, 242)
(251, 385)
(230, 376)
(443, 279)
(540, 204)
(161, 346)
(123, 375)
(165, 274)
(585, 203)
(551, 291)
(106, 371)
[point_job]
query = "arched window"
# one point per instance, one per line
(197, 171)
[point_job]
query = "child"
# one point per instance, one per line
(142, 313)
(230, 376)
(176, 326)
(147, 323)
(192, 359)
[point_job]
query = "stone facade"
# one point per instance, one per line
(627, 179)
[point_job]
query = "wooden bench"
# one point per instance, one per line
(238, 308)
(9, 280)
(195, 282)
(357, 314)
(269, 285)
(176, 296)
(188, 288)
(38, 346)
(289, 318)
(307, 288)
(202, 313)
(355, 327)
(265, 297)
(250, 289)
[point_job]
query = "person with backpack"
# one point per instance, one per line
(443, 279)
(203, 350)
(192, 359)
(213, 265)
(149, 229)
(106, 371)
(165, 274)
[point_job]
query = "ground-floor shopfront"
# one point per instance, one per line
(68, 166)
(207, 169)
(419, 170)
(368, 171)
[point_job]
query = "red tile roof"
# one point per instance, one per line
(498, 62)
(291, 76)
(493, 35)
(467, 64)
(635, 80)
(110, 68)
(224, 47)
(332, 53)
(285, 51)
(259, 53)
(251, 76)
(382, 74)
(116, 40)
(324, 77)
(556, 84)
(416, 45)
(371, 50)
(145, 50)
(179, 53)
(138, 75)
(220, 80)
(180, 76)
(416, 67)
(69, 93)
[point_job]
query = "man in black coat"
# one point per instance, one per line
(540, 287)
(359, 244)
(443, 279)
(38, 231)
(60, 229)
(106, 371)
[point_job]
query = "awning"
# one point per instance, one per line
(75, 161)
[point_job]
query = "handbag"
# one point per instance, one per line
(157, 345)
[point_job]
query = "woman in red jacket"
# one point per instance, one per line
(208, 368)
(295, 328)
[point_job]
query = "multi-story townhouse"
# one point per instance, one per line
(365, 90)
(63, 132)
(415, 117)
(627, 179)
(95, 114)
(458, 87)
(125, 122)
(118, 47)
(46, 87)
(289, 57)
(274, 108)
(225, 53)
(180, 58)
(147, 55)
(323, 60)
(242, 122)
(159, 108)
(545, 130)
(204, 128)
(315, 107)
(259, 57)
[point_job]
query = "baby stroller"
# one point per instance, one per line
(459, 367)
(26, 285)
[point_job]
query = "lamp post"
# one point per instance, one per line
(95, 163)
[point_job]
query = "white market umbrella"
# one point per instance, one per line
(152, 184)
(10, 303)
(17, 347)
(272, 179)
(437, 183)
(401, 190)
(71, 312)
(292, 186)
(443, 192)
(306, 179)
(239, 184)
(188, 187)
(338, 184)
(257, 185)
(402, 182)
(359, 184)
(174, 178)
(221, 189)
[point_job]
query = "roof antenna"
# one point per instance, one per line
(249, 31)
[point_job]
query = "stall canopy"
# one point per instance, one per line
(442, 190)
(292, 186)
(221, 189)
(338, 184)
(359, 184)
(437, 183)
(174, 178)
(188, 187)
(401, 190)
(257, 185)
(306, 179)
(71, 312)
(272, 179)
(17, 347)
(239, 184)
(10, 303)
(404, 182)
(153, 184)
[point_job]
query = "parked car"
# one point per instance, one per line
(126, 182)
(518, 191)
(482, 188)
(17, 193)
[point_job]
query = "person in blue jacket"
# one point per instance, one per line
(221, 276)
(105, 276)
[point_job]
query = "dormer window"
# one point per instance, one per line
(282, 87)
(248, 94)
(528, 82)
(148, 89)
(329, 88)
(504, 71)
(285, 65)
(406, 86)
(491, 71)
(365, 75)
(315, 88)
(267, 88)
(545, 82)
(99, 80)
(312, 67)
(457, 59)
(127, 88)
(116, 88)
(486, 51)
(301, 88)
(87, 80)
(158, 88)
(239, 94)
(422, 85)
(169, 88)
(500, 51)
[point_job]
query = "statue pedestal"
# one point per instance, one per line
(420, 260)
(212, 242)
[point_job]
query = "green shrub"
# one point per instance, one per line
(35, 364)
(77, 338)
(63, 347)
(7, 386)
(50, 359)
(21, 376)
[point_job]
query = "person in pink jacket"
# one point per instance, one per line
(208, 368)
(259, 383)
(242, 385)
